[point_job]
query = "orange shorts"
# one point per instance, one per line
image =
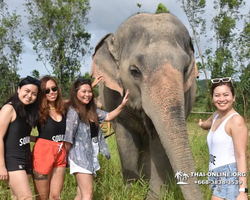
(47, 155)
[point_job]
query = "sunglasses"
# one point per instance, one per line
(54, 89)
(224, 80)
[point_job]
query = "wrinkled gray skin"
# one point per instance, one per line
(152, 56)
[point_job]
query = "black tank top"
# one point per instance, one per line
(93, 129)
(17, 136)
(53, 130)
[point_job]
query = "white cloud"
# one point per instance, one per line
(105, 17)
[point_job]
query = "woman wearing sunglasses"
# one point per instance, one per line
(227, 143)
(17, 118)
(49, 154)
(83, 135)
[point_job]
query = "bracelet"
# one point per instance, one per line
(243, 190)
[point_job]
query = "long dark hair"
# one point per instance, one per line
(30, 112)
(43, 102)
(90, 111)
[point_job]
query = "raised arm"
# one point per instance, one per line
(208, 123)
(113, 114)
(97, 80)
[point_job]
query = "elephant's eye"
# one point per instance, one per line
(135, 71)
(185, 70)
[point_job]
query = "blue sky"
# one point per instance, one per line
(104, 18)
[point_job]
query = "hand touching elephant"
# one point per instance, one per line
(153, 57)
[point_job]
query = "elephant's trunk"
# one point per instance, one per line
(166, 110)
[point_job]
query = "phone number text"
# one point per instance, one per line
(218, 182)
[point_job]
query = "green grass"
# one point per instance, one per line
(108, 185)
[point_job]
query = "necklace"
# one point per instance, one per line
(52, 108)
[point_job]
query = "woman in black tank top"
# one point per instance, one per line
(17, 117)
(52, 123)
(49, 154)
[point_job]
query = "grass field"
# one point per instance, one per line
(109, 185)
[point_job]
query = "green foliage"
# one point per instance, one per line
(161, 9)
(58, 35)
(242, 46)
(109, 184)
(221, 62)
(220, 59)
(139, 6)
(35, 74)
(195, 10)
(243, 93)
(11, 47)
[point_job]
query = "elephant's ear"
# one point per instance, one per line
(192, 71)
(105, 62)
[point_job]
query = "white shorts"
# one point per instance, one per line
(74, 168)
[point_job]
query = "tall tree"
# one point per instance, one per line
(11, 47)
(161, 9)
(221, 62)
(195, 10)
(243, 92)
(220, 57)
(243, 53)
(59, 36)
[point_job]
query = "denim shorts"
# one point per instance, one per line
(225, 186)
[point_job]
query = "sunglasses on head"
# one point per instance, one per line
(224, 80)
(54, 89)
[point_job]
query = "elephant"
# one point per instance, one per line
(152, 56)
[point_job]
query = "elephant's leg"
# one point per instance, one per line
(161, 170)
(145, 161)
(129, 145)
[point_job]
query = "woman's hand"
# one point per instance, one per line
(97, 80)
(125, 99)
(200, 122)
(242, 196)
(110, 116)
(3, 173)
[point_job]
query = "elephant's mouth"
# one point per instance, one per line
(149, 126)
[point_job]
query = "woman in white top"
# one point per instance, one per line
(227, 143)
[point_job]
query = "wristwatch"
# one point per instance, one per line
(243, 190)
